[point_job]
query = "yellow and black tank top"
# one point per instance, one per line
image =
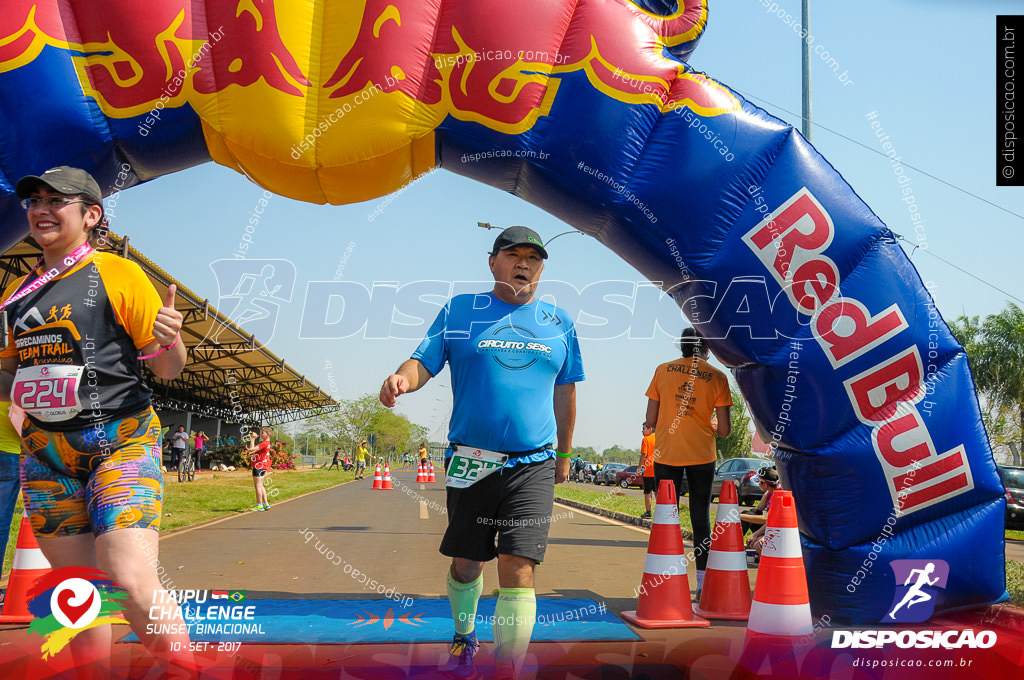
(77, 341)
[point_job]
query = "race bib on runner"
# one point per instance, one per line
(50, 393)
(468, 466)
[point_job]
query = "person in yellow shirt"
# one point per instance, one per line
(423, 453)
(683, 396)
(647, 469)
(362, 457)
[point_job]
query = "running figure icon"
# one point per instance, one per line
(915, 595)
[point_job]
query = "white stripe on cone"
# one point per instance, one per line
(781, 543)
(728, 514)
(29, 558)
(728, 560)
(666, 514)
(780, 619)
(665, 564)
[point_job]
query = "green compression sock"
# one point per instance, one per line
(514, 616)
(463, 598)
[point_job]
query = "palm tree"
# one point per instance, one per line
(996, 352)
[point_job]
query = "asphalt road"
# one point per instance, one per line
(393, 537)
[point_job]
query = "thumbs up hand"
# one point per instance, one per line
(168, 320)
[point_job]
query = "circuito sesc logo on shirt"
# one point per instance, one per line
(512, 347)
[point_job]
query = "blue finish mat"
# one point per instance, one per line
(353, 621)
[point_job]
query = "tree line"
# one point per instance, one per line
(995, 348)
(358, 419)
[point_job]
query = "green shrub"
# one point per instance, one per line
(228, 455)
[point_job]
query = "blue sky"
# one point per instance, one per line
(925, 68)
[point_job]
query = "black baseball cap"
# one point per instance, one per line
(519, 236)
(63, 179)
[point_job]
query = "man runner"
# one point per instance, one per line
(362, 457)
(515, 362)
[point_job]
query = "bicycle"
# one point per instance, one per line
(186, 467)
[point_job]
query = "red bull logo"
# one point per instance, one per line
(135, 54)
(499, 63)
(396, 67)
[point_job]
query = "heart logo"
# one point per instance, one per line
(73, 612)
(75, 603)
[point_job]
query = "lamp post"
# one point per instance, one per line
(806, 69)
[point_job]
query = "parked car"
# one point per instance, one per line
(1013, 482)
(629, 477)
(575, 476)
(606, 475)
(741, 472)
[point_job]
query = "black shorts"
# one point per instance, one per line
(513, 505)
(256, 472)
(650, 484)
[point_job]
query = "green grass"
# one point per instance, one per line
(210, 497)
(1015, 582)
(1015, 534)
(226, 494)
(612, 499)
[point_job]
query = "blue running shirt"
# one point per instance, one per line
(505, 362)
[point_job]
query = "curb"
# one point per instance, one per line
(617, 516)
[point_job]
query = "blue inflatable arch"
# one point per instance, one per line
(846, 364)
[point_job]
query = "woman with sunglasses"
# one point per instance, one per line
(79, 326)
(769, 481)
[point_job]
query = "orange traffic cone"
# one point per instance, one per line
(29, 565)
(387, 478)
(431, 479)
(378, 481)
(664, 600)
(726, 592)
(421, 474)
(781, 605)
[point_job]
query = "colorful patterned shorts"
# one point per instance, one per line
(95, 480)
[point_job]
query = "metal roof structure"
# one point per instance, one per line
(228, 373)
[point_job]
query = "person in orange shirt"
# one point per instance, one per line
(647, 469)
(681, 400)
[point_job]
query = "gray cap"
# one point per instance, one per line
(519, 236)
(62, 179)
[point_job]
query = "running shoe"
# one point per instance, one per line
(646, 515)
(266, 506)
(460, 661)
(256, 508)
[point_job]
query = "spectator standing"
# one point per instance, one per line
(259, 454)
(683, 396)
(179, 442)
(334, 461)
(200, 444)
(647, 469)
(362, 458)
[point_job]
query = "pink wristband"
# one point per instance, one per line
(163, 348)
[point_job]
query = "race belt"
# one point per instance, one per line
(469, 465)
